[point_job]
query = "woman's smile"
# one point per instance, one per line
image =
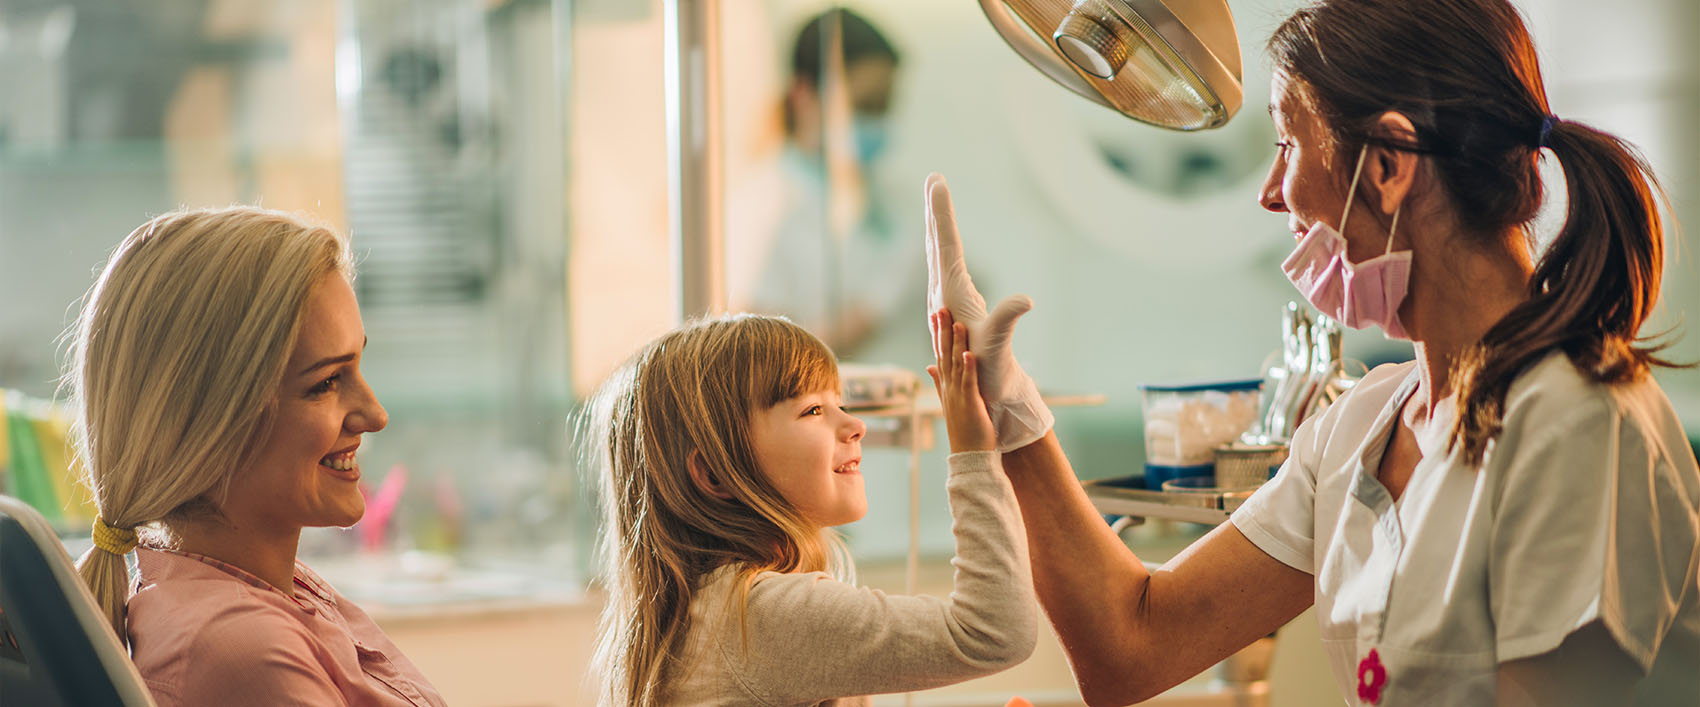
(341, 464)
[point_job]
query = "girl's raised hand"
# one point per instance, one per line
(957, 378)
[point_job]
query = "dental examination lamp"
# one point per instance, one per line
(1171, 63)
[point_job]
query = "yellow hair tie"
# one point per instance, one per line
(118, 541)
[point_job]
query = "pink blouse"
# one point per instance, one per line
(204, 632)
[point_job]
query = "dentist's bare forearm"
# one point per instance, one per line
(1130, 633)
(1073, 549)
(1088, 582)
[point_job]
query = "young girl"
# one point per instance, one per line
(727, 458)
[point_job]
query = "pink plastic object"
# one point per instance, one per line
(380, 508)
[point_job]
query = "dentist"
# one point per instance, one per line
(1511, 518)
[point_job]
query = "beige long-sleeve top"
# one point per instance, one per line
(815, 640)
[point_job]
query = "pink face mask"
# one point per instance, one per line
(1358, 295)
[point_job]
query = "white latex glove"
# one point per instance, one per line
(1017, 411)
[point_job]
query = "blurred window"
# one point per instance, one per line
(432, 131)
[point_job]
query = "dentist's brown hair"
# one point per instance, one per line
(1465, 73)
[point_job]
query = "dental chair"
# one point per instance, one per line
(56, 649)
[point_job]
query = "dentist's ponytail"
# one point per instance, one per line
(1466, 75)
(1591, 291)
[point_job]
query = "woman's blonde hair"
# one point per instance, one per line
(690, 394)
(175, 362)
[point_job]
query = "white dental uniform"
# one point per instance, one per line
(1586, 508)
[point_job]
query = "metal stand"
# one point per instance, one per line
(694, 145)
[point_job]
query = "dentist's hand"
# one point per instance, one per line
(1017, 411)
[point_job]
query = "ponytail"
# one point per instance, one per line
(1591, 291)
(103, 570)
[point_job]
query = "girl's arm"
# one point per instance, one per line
(812, 638)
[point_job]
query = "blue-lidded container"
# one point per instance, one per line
(1184, 423)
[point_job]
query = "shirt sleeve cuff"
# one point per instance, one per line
(1245, 519)
(967, 462)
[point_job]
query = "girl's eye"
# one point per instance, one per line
(324, 386)
(813, 410)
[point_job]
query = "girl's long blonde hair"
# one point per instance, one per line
(690, 393)
(175, 362)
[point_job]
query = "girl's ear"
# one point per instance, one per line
(705, 479)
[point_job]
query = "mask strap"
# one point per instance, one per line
(1393, 229)
(1353, 190)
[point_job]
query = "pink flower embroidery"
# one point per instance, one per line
(1371, 677)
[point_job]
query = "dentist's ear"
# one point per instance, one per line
(703, 478)
(1392, 173)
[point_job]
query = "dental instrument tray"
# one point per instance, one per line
(1129, 496)
(868, 385)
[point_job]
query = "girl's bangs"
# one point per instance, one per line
(796, 363)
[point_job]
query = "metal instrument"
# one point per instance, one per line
(1313, 374)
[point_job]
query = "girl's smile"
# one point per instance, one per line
(810, 449)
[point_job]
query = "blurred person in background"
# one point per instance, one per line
(824, 250)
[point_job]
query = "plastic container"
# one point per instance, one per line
(1184, 424)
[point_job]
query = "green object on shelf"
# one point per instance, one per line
(30, 482)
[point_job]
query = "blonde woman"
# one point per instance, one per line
(727, 458)
(219, 403)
